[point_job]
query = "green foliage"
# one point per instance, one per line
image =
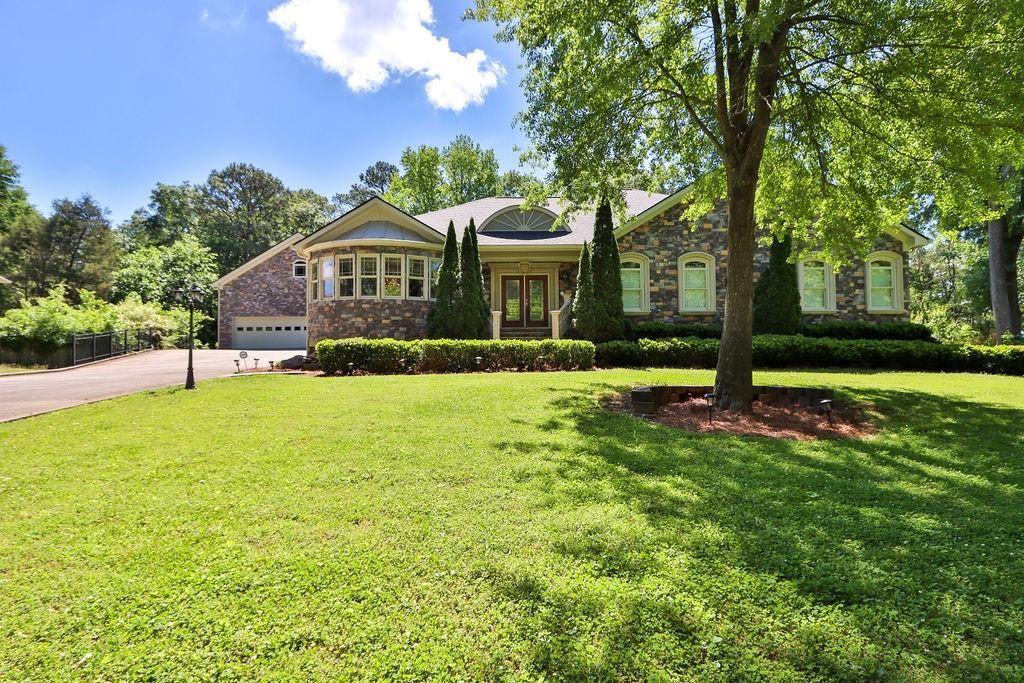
(778, 351)
(859, 329)
(472, 314)
(584, 305)
(776, 293)
(432, 178)
(442, 321)
(609, 320)
(173, 212)
(660, 330)
(373, 182)
(45, 323)
(390, 356)
(155, 272)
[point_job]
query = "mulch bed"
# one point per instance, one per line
(778, 422)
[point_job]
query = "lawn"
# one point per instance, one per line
(503, 526)
(11, 369)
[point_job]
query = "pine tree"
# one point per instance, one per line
(776, 293)
(584, 306)
(485, 305)
(609, 321)
(442, 315)
(470, 321)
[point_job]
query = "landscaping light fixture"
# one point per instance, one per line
(710, 400)
(479, 360)
(826, 405)
(351, 366)
(255, 363)
(193, 296)
(238, 365)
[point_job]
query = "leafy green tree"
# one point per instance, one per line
(777, 294)
(375, 181)
(173, 211)
(823, 117)
(432, 178)
(15, 212)
(517, 184)
(417, 189)
(74, 246)
(442, 320)
(609, 319)
(472, 319)
(584, 305)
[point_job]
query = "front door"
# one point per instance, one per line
(524, 300)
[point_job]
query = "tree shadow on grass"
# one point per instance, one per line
(730, 557)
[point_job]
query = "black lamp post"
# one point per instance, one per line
(192, 296)
(710, 400)
(826, 405)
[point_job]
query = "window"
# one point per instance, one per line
(369, 282)
(884, 282)
(635, 285)
(327, 278)
(314, 282)
(346, 277)
(417, 282)
(817, 286)
(697, 289)
(435, 270)
(299, 269)
(394, 272)
(514, 219)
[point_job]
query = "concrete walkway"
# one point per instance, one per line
(22, 395)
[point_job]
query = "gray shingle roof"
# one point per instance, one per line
(580, 226)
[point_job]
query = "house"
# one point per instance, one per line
(371, 272)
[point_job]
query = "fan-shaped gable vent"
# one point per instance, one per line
(516, 220)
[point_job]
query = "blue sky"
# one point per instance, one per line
(110, 97)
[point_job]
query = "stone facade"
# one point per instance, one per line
(374, 318)
(665, 238)
(267, 290)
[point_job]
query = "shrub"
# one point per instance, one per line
(860, 329)
(662, 330)
(776, 294)
(609, 319)
(383, 356)
(584, 305)
(775, 351)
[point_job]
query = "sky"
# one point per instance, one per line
(110, 97)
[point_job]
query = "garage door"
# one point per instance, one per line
(269, 333)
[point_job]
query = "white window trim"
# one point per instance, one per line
(299, 262)
(709, 260)
(897, 282)
(430, 276)
(408, 276)
(645, 282)
(334, 279)
(314, 279)
(359, 275)
(830, 286)
(338, 276)
(401, 275)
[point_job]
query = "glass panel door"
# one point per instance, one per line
(537, 300)
(512, 300)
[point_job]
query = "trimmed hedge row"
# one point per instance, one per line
(833, 329)
(776, 351)
(391, 356)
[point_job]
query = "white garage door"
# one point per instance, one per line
(269, 333)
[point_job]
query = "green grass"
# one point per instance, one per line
(503, 526)
(12, 369)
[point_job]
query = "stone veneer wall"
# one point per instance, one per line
(374, 318)
(267, 290)
(665, 238)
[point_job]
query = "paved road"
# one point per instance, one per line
(24, 395)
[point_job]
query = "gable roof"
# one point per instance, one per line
(578, 229)
(383, 219)
(252, 263)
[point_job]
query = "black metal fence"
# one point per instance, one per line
(84, 348)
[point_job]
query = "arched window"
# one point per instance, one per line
(299, 269)
(514, 219)
(634, 270)
(884, 282)
(817, 283)
(697, 287)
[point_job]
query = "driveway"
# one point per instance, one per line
(31, 394)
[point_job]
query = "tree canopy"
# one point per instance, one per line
(819, 118)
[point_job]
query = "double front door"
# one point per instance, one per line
(524, 301)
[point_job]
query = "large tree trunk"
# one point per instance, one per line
(998, 274)
(734, 378)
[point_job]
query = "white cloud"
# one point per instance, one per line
(369, 42)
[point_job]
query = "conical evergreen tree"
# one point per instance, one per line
(609, 320)
(470, 322)
(442, 315)
(776, 293)
(584, 306)
(485, 304)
